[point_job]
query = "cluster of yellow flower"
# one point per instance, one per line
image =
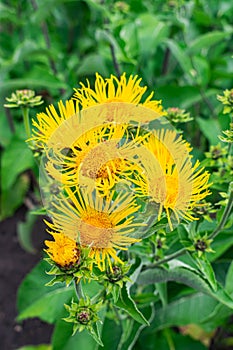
(104, 152)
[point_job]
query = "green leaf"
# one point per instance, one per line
(37, 300)
(151, 32)
(111, 334)
(36, 347)
(135, 331)
(187, 276)
(181, 96)
(129, 34)
(186, 310)
(24, 230)
(221, 312)
(229, 280)
(16, 158)
(33, 81)
(206, 268)
(5, 132)
(184, 236)
(210, 128)
(90, 63)
(126, 302)
(13, 197)
(62, 338)
(207, 40)
(181, 57)
(168, 339)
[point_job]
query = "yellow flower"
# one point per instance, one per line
(47, 123)
(170, 179)
(97, 159)
(116, 90)
(63, 251)
(103, 225)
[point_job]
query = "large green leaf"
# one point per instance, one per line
(186, 310)
(37, 300)
(187, 276)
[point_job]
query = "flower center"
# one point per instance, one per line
(96, 229)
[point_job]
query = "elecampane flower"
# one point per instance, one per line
(47, 123)
(98, 155)
(170, 179)
(116, 90)
(63, 250)
(103, 225)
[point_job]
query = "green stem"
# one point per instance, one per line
(166, 259)
(168, 336)
(230, 143)
(225, 214)
(26, 121)
(100, 294)
(78, 290)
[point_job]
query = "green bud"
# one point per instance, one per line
(227, 101)
(23, 98)
(177, 115)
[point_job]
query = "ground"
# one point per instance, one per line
(15, 263)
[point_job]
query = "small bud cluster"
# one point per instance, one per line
(177, 115)
(83, 314)
(227, 101)
(23, 98)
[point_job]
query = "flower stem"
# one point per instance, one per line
(166, 259)
(78, 290)
(225, 214)
(26, 121)
(99, 295)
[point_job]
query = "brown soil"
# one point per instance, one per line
(15, 263)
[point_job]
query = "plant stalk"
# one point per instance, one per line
(166, 259)
(225, 214)
(25, 111)
(78, 290)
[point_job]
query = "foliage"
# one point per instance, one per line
(180, 49)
